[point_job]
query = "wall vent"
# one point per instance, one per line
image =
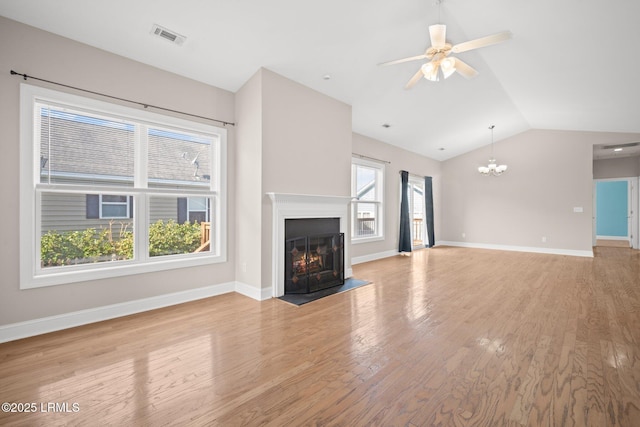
(168, 35)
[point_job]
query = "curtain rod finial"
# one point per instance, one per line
(15, 73)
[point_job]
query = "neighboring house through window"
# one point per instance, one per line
(113, 206)
(193, 209)
(115, 190)
(367, 184)
(108, 206)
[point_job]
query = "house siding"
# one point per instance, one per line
(67, 212)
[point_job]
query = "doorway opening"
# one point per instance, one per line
(615, 221)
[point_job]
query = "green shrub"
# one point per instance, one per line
(96, 245)
(166, 238)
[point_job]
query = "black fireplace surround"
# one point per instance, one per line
(314, 255)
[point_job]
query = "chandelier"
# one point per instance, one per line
(492, 168)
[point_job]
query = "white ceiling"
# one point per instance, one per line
(572, 64)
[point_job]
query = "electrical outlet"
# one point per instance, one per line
(544, 239)
(464, 235)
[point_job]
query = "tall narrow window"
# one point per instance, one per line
(367, 184)
(416, 211)
(103, 185)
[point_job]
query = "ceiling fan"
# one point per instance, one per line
(441, 62)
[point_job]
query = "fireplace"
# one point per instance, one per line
(314, 255)
(288, 206)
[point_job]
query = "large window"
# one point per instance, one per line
(367, 183)
(108, 190)
(416, 212)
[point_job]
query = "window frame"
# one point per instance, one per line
(101, 204)
(379, 168)
(32, 275)
(417, 181)
(207, 209)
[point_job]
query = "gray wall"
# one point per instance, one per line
(292, 139)
(550, 173)
(248, 176)
(306, 143)
(44, 55)
(624, 167)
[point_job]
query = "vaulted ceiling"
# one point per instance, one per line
(572, 64)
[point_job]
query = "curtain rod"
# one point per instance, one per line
(362, 156)
(25, 77)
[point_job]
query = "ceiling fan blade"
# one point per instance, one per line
(411, 83)
(482, 42)
(400, 61)
(465, 69)
(438, 35)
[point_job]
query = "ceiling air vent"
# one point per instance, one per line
(167, 34)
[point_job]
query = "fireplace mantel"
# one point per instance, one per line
(291, 206)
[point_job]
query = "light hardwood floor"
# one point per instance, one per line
(449, 336)
(613, 243)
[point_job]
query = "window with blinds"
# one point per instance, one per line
(108, 183)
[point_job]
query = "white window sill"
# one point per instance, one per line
(58, 276)
(359, 240)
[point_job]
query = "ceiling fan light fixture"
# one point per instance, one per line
(430, 71)
(448, 66)
(438, 53)
(437, 32)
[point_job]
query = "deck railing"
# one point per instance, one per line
(365, 226)
(417, 232)
(205, 237)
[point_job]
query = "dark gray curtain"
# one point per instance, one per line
(405, 223)
(428, 201)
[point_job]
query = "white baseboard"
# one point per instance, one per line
(44, 325)
(373, 257)
(552, 251)
(259, 294)
(625, 238)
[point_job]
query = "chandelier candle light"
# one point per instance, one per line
(492, 168)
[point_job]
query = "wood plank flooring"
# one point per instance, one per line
(447, 337)
(613, 243)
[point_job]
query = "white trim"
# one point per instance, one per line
(380, 170)
(625, 238)
(359, 240)
(290, 206)
(417, 181)
(348, 271)
(59, 322)
(253, 292)
(373, 257)
(551, 251)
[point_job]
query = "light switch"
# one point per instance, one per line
(578, 209)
